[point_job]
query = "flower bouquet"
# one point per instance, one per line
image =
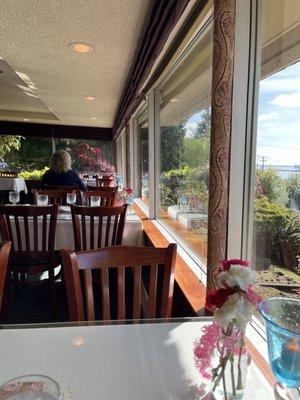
(127, 195)
(221, 354)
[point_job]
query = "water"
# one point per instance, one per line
(291, 377)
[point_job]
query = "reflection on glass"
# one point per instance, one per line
(71, 198)
(276, 234)
(95, 201)
(143, 157)
(14, 197)
(42, 200)
(185, 146)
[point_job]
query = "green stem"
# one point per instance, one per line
(232, 376)
(239, 385)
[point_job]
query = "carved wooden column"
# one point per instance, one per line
(221, 106)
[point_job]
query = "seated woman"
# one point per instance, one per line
(60, 173)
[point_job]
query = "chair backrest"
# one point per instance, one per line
(104, 188)
(4, 256)
(31, 229)
(122, 259)
(107, 197)
(104, 182)
(96, 227)
(57, 196)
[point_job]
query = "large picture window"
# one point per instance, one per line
(142, 140)
(185, 146)
(276, 234)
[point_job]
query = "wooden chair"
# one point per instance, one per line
(4, 256)
(55, 196)
(103, 188)
(106, 182)
(31, 229)
(121, 259)
(107, 197)
(106, 226)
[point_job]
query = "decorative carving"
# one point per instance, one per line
(221, 107)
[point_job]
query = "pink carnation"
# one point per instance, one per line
(204, 347)
(226, 264)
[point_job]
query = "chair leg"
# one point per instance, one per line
(16, 284)
(53, 294)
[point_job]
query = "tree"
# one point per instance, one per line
(203, 126)
(172, 147)
(9, 143)
(273, 185)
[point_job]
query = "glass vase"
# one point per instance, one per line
(230, 363)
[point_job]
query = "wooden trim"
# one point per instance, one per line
(56, 131)
(262, 364)
(193, 290)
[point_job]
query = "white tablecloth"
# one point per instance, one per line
(120, 362)
(17, 184)
(64, 239)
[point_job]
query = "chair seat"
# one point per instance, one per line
(34, 265)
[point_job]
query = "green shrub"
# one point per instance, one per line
(182, 172)
(36, 174)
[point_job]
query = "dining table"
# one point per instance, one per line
(16, 184)
(128, 360)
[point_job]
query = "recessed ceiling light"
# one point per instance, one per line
(89, 98)
(93, 117)
(81, 48)
(25, 119)
(174, 100)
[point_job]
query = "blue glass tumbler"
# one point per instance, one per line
(282, 318)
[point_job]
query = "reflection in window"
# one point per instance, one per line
(143, 157)
(276, 236)
(185, 146)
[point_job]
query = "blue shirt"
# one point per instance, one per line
(69, 178)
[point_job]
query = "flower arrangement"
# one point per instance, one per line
(127, 195)
(219, 352)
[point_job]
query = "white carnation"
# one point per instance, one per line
(238, 276)
(236, 309)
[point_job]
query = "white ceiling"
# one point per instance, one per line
(34, 42)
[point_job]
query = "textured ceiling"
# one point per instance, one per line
(34, 43)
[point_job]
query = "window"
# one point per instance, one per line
(142, 153)
(276, 234)
(185, 145)
(33, 153)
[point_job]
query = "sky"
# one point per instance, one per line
(278, 133)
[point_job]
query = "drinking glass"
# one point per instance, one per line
(71, 198)
(31, 387)
(95, 201)
(282, 317)
(42, 200)
(14, 197)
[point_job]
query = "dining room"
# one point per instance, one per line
(150, 199)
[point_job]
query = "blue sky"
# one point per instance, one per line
(278, 135)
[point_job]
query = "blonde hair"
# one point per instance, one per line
(60, 161)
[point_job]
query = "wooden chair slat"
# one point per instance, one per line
(100, 227)
(27, 237)
(92, 232)
(105, 294)
(121, 293)
(35, 233)
(107, 197)
(89, 295)
(18, 232)
(44, 233)
(137, 292)
(152, 291)
(114, 234)
(107, 231)
(83, 229)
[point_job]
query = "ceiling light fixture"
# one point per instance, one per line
(81, 48)
(89, 98)
(25, 119)
(93, 118)
(174, 100)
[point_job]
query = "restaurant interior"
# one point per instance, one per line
(150, 199)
